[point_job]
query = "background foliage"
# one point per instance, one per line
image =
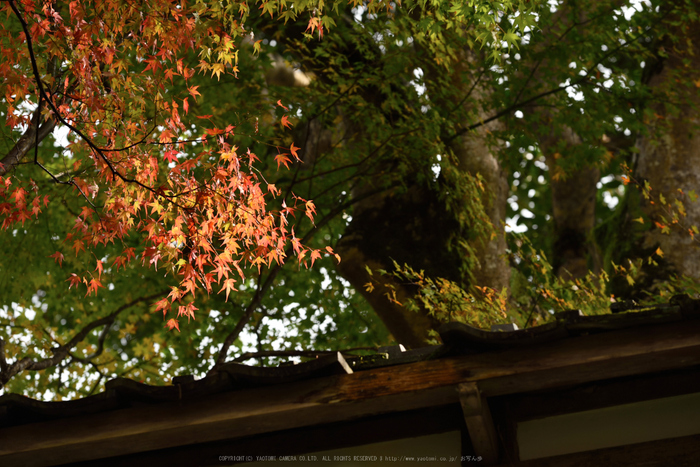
(356, 106)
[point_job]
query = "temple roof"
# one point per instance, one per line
(458, 340)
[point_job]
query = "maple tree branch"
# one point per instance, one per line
(42, 94)
(101, 341)
(31, 138)
(337, 99)
(247, 314)
(7, 371)
(109, 319)
(100, 344)
(359, 163)
(99, 379)
(37, 132)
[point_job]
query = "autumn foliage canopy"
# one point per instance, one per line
(117, 75)
(180, 179)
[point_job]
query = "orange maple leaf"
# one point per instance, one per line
(187, 310)
(77, 246)
(282, 159)
(166, 136)
(294, 150)
(285, 122)
(193, 91)
(315, 254)
(330, 251)
(228, 287)
(163, 304)
(310, 210)
(93, 286)
(315, 23)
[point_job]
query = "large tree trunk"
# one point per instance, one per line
(409, 227)
(474, 156)
(415, 227)
(477, 155)
(669, 155)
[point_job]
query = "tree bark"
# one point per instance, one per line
(475, 156)
(415, 227)
(575, 252)
(34, 134)
(669, 154)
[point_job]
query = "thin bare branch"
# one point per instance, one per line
(7, 371)
(537, 97)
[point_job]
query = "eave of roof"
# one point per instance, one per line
(232, 403)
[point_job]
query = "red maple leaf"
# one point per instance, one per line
(74, 280)
(58, 257)
(172, 323)
(93, 286)
(171, 156)
(285, 122)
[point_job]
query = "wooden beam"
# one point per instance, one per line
(303, 440)
(340, 398)
(479, 422)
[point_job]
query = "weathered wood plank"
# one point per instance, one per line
(227, 416)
